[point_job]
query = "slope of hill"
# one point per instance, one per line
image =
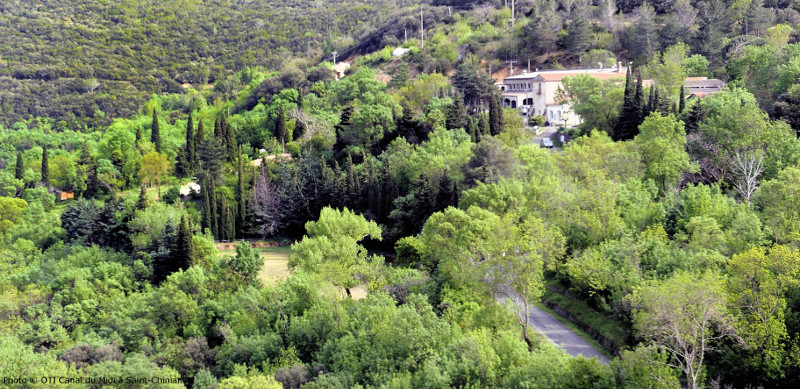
(83, 62)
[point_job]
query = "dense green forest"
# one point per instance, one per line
(423, 223)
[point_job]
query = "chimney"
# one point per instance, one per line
(619, 66)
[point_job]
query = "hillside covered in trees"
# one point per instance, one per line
(421, 222)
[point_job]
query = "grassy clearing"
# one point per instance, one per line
(276, 263)
(276, 268)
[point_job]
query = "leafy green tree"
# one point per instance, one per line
(331, 248)
(155, 133)
(685, 315)
(247, 262)
(10, 212)
(155, 168)
(696, 66)
(779, 202)
(667, 68)
(661, 142)
(742, 134)
(759, 285)
(597, 101)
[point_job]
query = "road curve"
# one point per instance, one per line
(562, 336)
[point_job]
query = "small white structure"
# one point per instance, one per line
(188, 188)
(399, 52)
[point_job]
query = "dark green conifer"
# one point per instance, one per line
(19, 171)
(281, 131)
(231, 142)
(389, 190)
(191, 145)
(681, 101)
(629, 113)
(226, 220)
(639, 103)
(456, 114)
(495, 115)
(352, 181)
(45, 167)
(141, 204)
(138, 141)
(213, 211)
(340, 185)
(183, 252)
(483, 125)
(241, 198)
(207, 217)
(199, 137)
(445, 196)
(155, 132)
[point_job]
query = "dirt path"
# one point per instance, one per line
(562, 336)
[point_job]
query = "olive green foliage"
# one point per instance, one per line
(690, 274)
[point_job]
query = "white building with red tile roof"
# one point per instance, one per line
(537, 91)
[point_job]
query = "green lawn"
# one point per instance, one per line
(276, 263)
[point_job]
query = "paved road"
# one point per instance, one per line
(562, 336)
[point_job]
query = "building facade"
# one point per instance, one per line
(536, 92)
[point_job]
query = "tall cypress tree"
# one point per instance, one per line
(352, 182)
(138, 141)
(19, 171)
(340, 186)
(328, 183)
(340, 128)
(230, 142)
(483, 125)
(389, 190)
(629, 114)
(183, 252)
(495, 116)
(199, 137)
(681, 101)
(141, 204)
(155, 132)
(241, 199)
(226, 220)
(639, 103)
(218, 127)
(651, 103)
(371, 188)
(191, 146)
(45, 167)
(207, 216)
(280, 127)
(213, 210)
